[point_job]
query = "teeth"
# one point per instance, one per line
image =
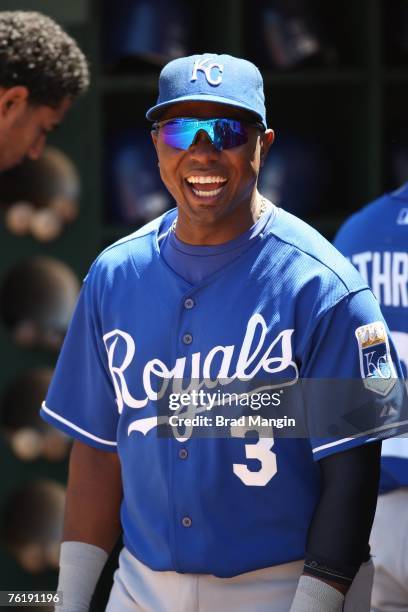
(203, 180)
(206, 194)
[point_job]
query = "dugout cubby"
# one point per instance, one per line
(321, 112)
(395, 33)
(326, 37)
(133, 192)
(395, 133)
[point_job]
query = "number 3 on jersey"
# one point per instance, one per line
(261, 450)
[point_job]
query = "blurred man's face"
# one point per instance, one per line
(24, 127)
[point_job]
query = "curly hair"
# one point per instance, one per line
(36, 52)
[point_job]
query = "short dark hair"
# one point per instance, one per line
(36, 52)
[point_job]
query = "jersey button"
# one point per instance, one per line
(189, 303)
(183, 453)
(186, 521)
(187, 338)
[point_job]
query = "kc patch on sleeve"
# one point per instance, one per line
(376, 365)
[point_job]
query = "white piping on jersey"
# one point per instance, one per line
(75, 427)
(360, 435)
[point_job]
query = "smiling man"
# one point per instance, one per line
(42, 71)
(213, 206)
(225, 293)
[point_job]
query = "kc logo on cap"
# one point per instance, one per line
(207, 66)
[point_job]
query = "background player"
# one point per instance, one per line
(231, 288)
(42, 70)
(375, 239)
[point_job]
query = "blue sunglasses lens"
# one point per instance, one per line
(224, 133)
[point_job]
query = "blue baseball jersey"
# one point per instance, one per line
(288, 307)
(375, 240)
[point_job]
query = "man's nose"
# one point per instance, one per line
(203, 146)
(36, 149)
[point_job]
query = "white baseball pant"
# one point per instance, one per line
(389, 547)
(137, 588)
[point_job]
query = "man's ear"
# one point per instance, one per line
(267, 139)
(154, 138)
(13, 101)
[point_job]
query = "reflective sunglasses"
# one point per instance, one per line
(182, 132)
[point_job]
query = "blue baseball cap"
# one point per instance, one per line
(211, 78)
